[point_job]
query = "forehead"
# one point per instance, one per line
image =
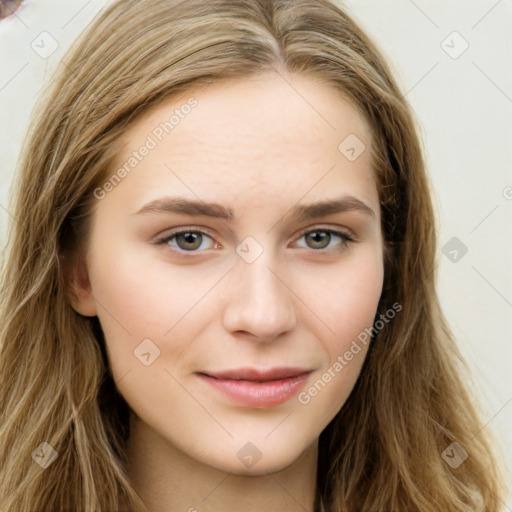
(266, 137)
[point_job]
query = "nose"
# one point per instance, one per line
(258, 301)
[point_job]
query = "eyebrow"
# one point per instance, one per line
(302, 212)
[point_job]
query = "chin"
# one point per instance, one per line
(261, 468)
(256, 459)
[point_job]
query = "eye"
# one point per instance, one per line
(191, 240)
(319, 239)
(188, 241)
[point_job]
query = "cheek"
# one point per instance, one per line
(356, 300)
(141, 297)
(347, 304)
(345, 296)
(144, 292)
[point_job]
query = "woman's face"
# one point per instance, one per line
(231, 341)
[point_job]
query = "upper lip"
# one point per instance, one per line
(258, 375)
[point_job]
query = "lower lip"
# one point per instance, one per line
(258, 394)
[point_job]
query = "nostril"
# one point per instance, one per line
(9, 7)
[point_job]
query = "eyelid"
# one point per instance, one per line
(183, 229)
(335, 229)
(160, 239)
(202, 229)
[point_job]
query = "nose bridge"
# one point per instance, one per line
(258, 301)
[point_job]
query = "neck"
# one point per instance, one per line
(168, 480)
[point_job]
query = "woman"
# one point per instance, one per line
(219, 293)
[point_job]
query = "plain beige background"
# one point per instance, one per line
(452, 60)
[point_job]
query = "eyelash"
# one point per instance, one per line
(346, 240)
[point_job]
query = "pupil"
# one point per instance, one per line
(190, 238)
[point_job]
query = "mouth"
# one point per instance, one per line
(258, 388)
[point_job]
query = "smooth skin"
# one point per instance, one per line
(260, 147)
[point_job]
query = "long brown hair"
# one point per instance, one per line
(383, 451)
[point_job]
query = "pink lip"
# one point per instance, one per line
(258, 388)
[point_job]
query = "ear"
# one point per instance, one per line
(78, 286)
